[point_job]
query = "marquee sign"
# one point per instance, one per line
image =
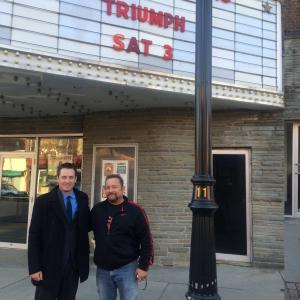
(152, 35)
(143, 14)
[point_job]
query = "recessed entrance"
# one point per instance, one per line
(231, 171)
(292, 203)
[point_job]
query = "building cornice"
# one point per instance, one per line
(121, 75)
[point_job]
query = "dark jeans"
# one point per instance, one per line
(67, 289)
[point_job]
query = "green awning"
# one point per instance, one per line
(12, 173)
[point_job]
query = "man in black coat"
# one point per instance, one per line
(58, 245)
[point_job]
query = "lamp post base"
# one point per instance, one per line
(203, 273)
(191, 296)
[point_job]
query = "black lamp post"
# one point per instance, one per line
(203, 274)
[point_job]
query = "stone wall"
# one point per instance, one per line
(166, 165)
(292, 78)
(263, 134)
(291, 17)
(53, 125)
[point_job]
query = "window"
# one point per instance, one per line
(53, 152)
(8, 144)
(5, 33)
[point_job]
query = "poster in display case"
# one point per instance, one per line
(114, 159)
(114, 167)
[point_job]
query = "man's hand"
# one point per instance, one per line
(141, 274)
(37, 276)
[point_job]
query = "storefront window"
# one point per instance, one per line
(115, 160)
(8, 144)
(52, 153)
(15, 182)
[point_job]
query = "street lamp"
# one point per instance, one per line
(203, 274)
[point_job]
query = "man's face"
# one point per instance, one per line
(66, 180)
(114, 191)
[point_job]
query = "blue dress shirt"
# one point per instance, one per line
(73, 202)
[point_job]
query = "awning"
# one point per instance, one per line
(12, 173)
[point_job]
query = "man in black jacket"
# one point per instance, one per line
(124, 248)
(58, 246)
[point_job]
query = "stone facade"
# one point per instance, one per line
(35, 126)
(263, 134)
(292, 78)
(291, 17)
(291, 75)
(166, 165)
(291, 67)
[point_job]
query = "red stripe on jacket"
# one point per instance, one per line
(151, 257)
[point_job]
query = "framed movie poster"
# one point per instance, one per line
(114, 159)
(114, 167)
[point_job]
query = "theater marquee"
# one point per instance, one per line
(143, 14)
(152, 35)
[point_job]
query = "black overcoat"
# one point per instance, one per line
(47, 237)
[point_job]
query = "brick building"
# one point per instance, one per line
(111, 91)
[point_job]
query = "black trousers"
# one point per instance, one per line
(67, 289)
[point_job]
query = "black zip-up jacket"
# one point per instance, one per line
(122, 235)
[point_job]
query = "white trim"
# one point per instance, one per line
(31, 192)
(13, 246)
(125, 76)
(248, 257)
(15, 153)
(135, 145)
(289, 216)
(53, 135)
(93, 177)
(295, 170)
(279, 47)
(33, 185)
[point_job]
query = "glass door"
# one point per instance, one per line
(296, 171)
(16, 198)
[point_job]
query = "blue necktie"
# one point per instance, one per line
(69, 208)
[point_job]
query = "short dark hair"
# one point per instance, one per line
(66, 165)
(115, 176)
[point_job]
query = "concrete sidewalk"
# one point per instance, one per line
(291, 273)
(164, 283)
(170, 283)
(234, 283)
